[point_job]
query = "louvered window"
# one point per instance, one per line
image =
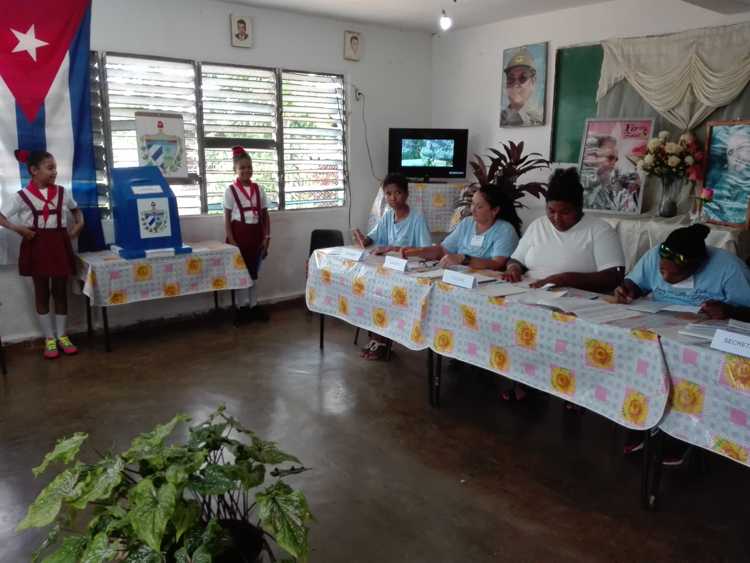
(143, 84)
(314, 152)
(97, 131)
(239, 108)
(292, 123)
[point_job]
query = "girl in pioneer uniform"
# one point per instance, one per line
(46, 253)
(247, 226)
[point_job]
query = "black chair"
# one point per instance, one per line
(324, 238)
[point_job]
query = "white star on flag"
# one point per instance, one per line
(28, 42)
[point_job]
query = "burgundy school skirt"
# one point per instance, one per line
(249, 238)
(48, 255)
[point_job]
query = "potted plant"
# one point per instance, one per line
(205, 500)
(505, 168)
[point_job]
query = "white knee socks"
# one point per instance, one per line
(60, 322)
(45, 321)
(253, 296)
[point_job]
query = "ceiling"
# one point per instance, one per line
(419, 14)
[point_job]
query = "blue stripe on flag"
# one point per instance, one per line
(84, 173)
(84, 170)
(31, 137)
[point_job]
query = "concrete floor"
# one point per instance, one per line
(393, 480)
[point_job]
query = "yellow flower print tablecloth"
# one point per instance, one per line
(369, 296)
(710, 400)
(110, 280)
(613, 371)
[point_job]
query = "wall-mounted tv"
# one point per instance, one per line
(427, 153)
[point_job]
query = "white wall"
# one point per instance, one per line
(394, 73)
(466, 64)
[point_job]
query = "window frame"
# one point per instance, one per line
(204, 142)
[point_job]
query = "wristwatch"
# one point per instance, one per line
(466, 260)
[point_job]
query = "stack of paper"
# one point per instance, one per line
(649, 306)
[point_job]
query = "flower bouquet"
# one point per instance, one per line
(672, 162)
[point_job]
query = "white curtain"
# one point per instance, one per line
(684, 76)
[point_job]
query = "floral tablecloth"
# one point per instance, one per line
(369, 296)
(109, 280)
(437, 202)
(618, 373)
(710, 399)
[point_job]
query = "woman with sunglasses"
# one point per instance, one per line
(683, 270)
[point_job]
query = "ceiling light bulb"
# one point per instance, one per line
(445, 22)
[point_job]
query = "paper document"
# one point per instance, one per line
(430, 274)
(501, 290)
(649, 306)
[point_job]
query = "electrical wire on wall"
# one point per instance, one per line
(359, 95)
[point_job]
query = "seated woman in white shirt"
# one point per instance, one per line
(566, 247)
(483, 241)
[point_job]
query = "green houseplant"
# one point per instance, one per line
(201, 501)
(504, 170)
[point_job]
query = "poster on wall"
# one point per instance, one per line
(241, 31)
(523, 86)
(161, 143)
(610, 150)
(728, 172)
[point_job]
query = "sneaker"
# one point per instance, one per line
(50, 349)
(67, 346)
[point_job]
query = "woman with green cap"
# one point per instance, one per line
(683, 270)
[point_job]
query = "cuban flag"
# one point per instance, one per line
(45, 103)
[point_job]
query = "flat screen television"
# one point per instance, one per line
(427, 153)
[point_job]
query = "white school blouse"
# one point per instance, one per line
(25, 217)
(231, 204)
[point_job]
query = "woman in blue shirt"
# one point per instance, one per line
(400, 225)
(684, 271)
(483, 241)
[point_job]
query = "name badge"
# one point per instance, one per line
(461, 280)
(477, 241)
(395, 263)
(688, 283)
(731, 342)
(351, 253)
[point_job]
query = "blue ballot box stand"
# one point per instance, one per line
(145, 214)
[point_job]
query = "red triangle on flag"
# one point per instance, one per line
(34, 39)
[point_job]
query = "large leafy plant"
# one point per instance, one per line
(202, 501)
(506, 167)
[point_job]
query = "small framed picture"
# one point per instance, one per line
(610, 150)
(728, 172)
(352, 45)
(241, 30)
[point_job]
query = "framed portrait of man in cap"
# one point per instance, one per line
(523, 86)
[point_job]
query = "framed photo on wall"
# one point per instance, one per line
(523, 86)
(610, 150)
(352, 45)
(728, 172)
(241, 30)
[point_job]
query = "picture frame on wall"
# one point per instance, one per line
(523, 86)
(727, 172)
(241, 31)
(610, 150)
(352, 45)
